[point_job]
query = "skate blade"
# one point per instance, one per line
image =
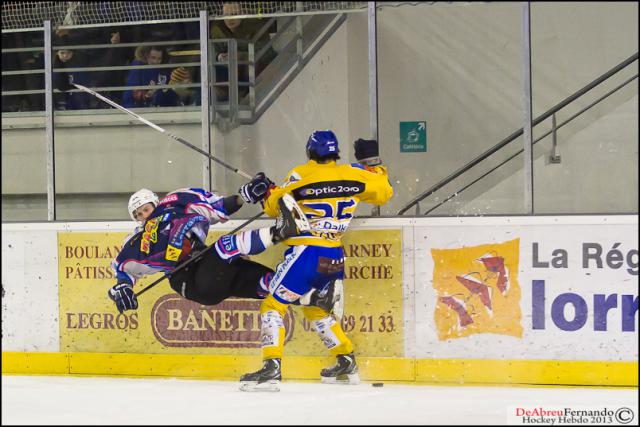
(271, 386)
(348, 379)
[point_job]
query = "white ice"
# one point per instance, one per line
(138, 401)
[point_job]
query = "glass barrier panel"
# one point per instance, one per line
(24, 144)
(307, 84)
(586, 157)
(450, 88)
(103, 154)
(24, 168)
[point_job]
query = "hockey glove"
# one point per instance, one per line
(64, 83)
(256, 189)
(367, 152)
(124, 297)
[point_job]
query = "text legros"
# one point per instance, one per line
(102, 321)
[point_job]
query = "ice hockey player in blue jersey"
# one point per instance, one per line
(175, 227)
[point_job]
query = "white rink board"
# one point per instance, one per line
(30, 291)
(30, 280)
(552, 342)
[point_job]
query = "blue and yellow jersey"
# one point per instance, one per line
(328, 194)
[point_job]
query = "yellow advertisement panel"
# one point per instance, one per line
(167, 323)
(477, 289)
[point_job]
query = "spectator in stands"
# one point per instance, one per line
(12, 62)
(239, 29)
(22, 61)
(113, 57)
(185, 96)
(68, 58)
(99, 57)
(136, 98)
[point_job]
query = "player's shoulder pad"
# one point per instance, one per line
(200, 191)
(292, 177)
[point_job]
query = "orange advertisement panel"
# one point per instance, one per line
(167, 323)
(477, 290)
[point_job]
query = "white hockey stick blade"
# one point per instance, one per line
(301, 219)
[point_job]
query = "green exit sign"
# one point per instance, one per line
(413, 137)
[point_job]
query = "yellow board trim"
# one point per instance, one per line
(225, 367)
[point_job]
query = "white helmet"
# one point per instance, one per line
(140, 198)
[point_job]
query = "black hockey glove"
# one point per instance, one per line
(64, 83)
(124, 297)
(367, 152)
(256, 189)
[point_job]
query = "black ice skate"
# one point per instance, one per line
(266, 379)
(345, 371)
(291, 221)
(329, 299)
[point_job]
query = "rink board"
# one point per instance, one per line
(535, 300)
(443, 371)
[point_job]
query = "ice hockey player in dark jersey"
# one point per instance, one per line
(175, 227)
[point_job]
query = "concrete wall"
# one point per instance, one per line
(456, 66)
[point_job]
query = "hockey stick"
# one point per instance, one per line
(195, 257)
(161, 130)
(182, 141)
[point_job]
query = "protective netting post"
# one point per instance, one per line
(49, 123)
(205, 98)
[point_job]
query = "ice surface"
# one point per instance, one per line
(144, 401)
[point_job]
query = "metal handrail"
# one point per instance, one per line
(304, 54)
(100, 46)
(125, 67)
(107, 68)
(19, 72)
(275, 38)
(262, 30)
(516, 134)
(602, 98)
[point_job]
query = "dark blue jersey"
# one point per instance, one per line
(181, 219)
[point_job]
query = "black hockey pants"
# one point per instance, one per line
(211, 280)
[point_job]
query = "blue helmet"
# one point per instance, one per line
(322, 143)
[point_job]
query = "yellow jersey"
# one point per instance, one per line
(328, 194)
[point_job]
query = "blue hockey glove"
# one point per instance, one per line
(367, 152)
(256, 189)
(124, 297)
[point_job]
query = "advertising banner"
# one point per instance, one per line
(481, 281)
(167, 323)
(537, 291)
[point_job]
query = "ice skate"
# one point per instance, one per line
(266, 379)
(291, 221)
(345, 371)
(329, 299)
